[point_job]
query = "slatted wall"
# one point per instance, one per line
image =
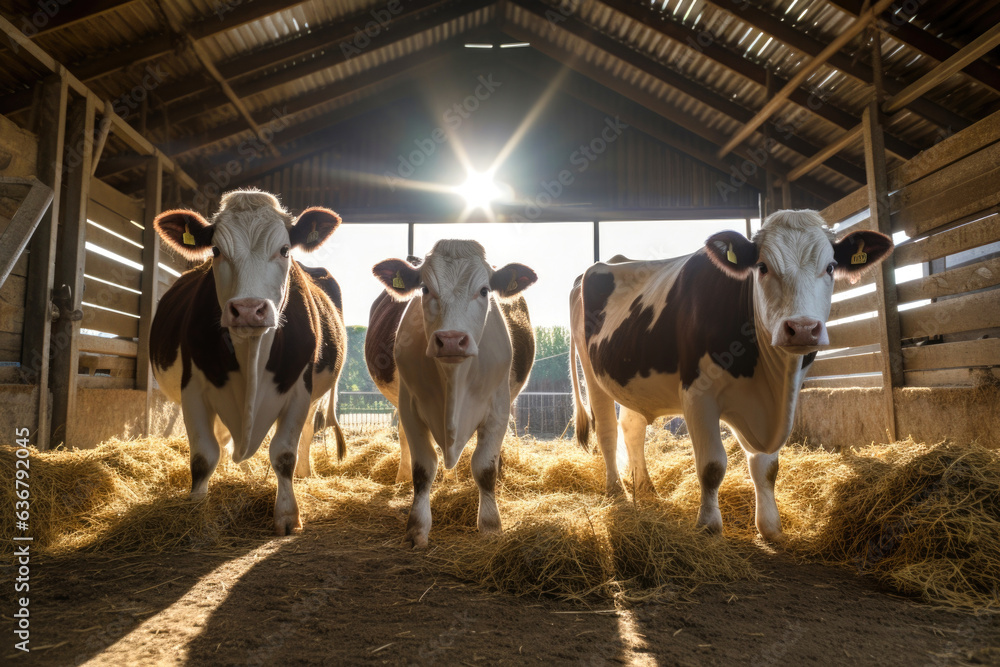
(113, 288)
(12, 296)
(947, 202)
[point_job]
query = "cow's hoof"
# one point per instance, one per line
(288, 525)
(712, 523)
(415, 540)
(772, 537)
(197, 496)
(402, 477)
(645, 491)
(614, 491)
(303, 471)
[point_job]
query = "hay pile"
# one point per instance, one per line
(923, 519)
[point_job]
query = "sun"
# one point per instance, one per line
(479, 190)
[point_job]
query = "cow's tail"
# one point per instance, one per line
(331, 419)
(581, 413)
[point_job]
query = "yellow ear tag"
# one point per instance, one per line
(512, 285)
(187, 237)
(859, 257)
(730, 255)
(397, 282)
(313, 235)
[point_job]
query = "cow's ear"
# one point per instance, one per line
(512, 279)
(859, 251)
(732, 252)
(185, 232)
(313, 228)
(400, 278)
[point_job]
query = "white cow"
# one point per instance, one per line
(725, 333)
(457, 361)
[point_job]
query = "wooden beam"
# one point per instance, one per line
(845, 140)
(773, 104)
(718, 52)
(42, 250)
(150, 275)
(687, 86)
(653, 103)
(71, 14)
(23, 224)
(69, 267)
(797, 39)
(966, 55)
(102, 133)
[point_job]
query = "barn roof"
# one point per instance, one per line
(200, 77)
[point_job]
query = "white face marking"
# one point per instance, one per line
(252, 259)
(794, 279)
(453, 301)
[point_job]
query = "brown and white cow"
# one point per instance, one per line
(725, 333)
(251, 338)
(451, 360)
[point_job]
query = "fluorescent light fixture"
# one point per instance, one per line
(515, 45)
(479, 46)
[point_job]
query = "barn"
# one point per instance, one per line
(558, 133)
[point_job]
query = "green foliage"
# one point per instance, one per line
(354, 376)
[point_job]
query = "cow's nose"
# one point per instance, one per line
(250, 312)
(451, 343)
(803, 331)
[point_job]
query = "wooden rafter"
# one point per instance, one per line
(651, 102)
(845, 140)
(774, 103)
(797, 39)
(691, 88)
(79, 11)
(669, 26)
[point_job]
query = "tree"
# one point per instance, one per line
(354, 375)
(550, 371)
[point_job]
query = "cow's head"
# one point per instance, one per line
(794, 260)
(456, 285)
(249, 242)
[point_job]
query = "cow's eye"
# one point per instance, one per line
(830, 267)
(424, 290)
(284, 250)
(484, 292)
(215, 251)
(762, 267)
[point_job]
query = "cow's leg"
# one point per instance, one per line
(405, 473)
(303, 464)
(486, 468)
(199, 421)
(606, 426)
(702, 417)
(424, 464)
(763, 472)
(633, 426)
(284, 450)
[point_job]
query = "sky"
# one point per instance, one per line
(558, 252)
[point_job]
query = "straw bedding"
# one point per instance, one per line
(924, 519)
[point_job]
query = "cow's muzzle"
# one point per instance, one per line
(451, 346)
(249, 312)
(801, 335)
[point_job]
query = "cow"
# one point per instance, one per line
(727, 333)
(451, 359)
(250, 338)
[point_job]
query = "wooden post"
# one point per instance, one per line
(35, 351)
(409, 239)
(70, 261)
(150, 280)
(597, 241)
(885, 277)
(786, 195)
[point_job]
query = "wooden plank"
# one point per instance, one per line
(170, 258)
(69, 268)
(846, 285)
(150, 273)
(117, 201)
(954, 377)
(10, 346)
(940, 155)
(845, 381)
(964, 354)
(965, 56)
(955, 281)
(825, 153)
(101, 345)
(844, 208)
(35, 359)
(93, 364)
(104, 382)
(22, 225)
(856, 305)
(851, 334)
(971, 312)
(980, 232)
(110, 322)
(115, 222)
(108, 269)
(957, 173)
(18, 150)
(856, 363)
(12, 304)
(110, 296)
(974, 195)
(112, 243)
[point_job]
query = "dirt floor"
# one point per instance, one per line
(330, 596)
